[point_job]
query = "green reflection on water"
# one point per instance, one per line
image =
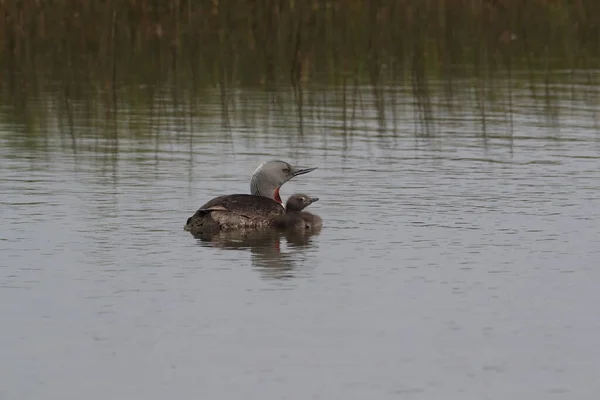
(139, 69)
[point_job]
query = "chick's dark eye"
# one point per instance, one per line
(286, 170)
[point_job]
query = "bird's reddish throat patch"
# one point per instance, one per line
(276, 196)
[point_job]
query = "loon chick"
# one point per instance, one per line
(252, 211)
(296, 219)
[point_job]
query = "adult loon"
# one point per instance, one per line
(296, 219)
(247, 211)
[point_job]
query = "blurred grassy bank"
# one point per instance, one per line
(253, 42)
(103, 51)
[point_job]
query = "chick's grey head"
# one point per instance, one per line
(271, 175)
(298, 202)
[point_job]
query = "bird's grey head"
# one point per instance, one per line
(298, 202)
(271, 175)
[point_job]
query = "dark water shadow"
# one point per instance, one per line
(265, 248)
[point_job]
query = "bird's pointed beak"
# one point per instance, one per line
(313, 199)
(302, 170)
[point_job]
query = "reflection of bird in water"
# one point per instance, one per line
(239, 239)
(265, 248)
(254, 210)
(301, 238)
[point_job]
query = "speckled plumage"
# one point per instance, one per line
(235, 211)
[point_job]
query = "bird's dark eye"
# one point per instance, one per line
(286, 170)
(302, 199)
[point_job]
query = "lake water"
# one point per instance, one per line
(458, 260)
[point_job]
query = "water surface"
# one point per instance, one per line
(458, 257)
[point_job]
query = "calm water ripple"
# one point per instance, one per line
(451, 266)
